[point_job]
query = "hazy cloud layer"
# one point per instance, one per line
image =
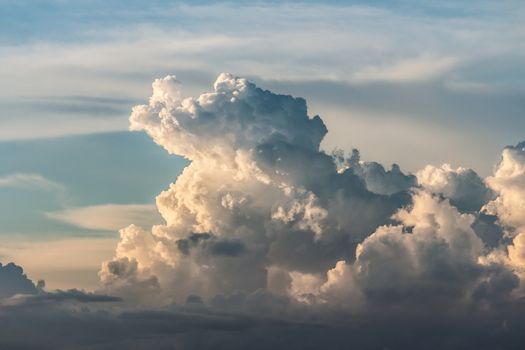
(462, 67)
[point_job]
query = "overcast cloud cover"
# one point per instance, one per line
(275, 232)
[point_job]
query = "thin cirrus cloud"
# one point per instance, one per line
(29, 181)
(420, 68)
(108, 217)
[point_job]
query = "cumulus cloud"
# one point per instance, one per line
(258, 193)
(465, 189)
(508, 181)
(264, 232)
(431, 255)
(376, 178)
(262, 208)
(13, 281)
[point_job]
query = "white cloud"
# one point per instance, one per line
(109, 217)
(462, 186)
(416, 69)
(508, 182)
(261, 207)
(262, 222)
(256, 189)
(30, 181)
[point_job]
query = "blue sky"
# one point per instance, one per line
(402, 81)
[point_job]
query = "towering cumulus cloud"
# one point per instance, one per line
(259, 201)
(263, 220)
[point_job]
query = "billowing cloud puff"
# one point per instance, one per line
(14, 281)
(465, 189)
(236, 116)
(431, 255)
(517, 253)
(468, 192)
(508, 182)
(427, 255)
(258, 194)
(376, 178)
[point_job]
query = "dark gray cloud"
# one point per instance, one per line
(203, 327)
(58, 296)
(14, 281)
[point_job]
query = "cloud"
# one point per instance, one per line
(376, 178)
(69, 262)
(74, 323)
(508, 182)
(320, 229)
(465, 189)
(199, 40)
(420, 68)
(430, 258)
(29, 181)
(264, 232)
(59, 296)
(14, 281)
(108, 217)
(258, 192)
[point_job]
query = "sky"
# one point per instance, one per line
(236, 169)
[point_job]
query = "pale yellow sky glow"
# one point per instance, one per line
(64, 263)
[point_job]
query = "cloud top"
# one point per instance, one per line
(237, 115)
